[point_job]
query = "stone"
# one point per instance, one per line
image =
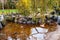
(24, 22)
(1, 26)
(20, 22)
(33, 22)
(29, 22)
(58, 20)
(39, 21)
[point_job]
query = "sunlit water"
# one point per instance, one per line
(38, 33)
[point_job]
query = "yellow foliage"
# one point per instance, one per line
(24, 6)
(33, 5)
(25, 3)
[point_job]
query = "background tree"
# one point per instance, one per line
(0, 5)
(10, 5)
(31, 7)
(24, 7)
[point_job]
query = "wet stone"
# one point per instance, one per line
(33, 22)
(29, 22)
(39, 21)
(0, 26)
(20, 21)
(24, 22)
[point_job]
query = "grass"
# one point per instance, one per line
(6, 11)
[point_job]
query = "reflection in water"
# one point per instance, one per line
(40, 34)
(24, 32)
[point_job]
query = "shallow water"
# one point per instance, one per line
(24, 32)
(38, 33)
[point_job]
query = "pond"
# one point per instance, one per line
(14, 31)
